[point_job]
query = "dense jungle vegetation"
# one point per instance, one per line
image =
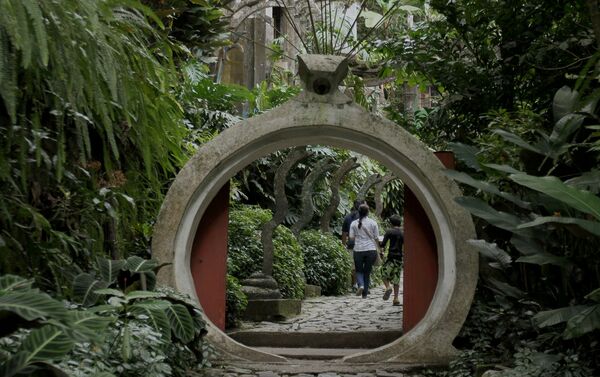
(102, 102)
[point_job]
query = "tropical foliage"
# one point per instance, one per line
(245, 254)
(327, 263)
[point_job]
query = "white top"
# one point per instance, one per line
(363, 241)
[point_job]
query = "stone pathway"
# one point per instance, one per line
(324, 314)
(339, 313)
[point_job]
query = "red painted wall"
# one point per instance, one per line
(208, 260)
(420, 256)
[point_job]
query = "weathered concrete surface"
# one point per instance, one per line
(347, 339)
(311, 291)
(330, 120)
(269, 309)
(310, 368)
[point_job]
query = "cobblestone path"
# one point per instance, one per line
(324, 314)
(339, 313)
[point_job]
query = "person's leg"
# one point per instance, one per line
(367, 267)
(397, 272)
(386, 270)
(359, 266)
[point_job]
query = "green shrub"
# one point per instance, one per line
(245, 254)
(288, 264)
(327, 263)
(236, 301)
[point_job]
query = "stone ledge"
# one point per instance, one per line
(272, 309)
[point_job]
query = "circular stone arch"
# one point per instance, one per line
(338, 123)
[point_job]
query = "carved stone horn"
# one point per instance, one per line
(371, 181)
(334, 200)
(308, 209)
(379, 191)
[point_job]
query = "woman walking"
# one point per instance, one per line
(364, 231)
(392, 267)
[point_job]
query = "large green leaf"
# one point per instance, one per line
(586, 321)
(485, 186)
(143, 294)
(45, 344)
(504, 289)
(493, 252)
(32, 305)
(564, 128)
(510, 137)
(15, 364)
(556, 316)
(137, 264)
(592, 227)
(13, 283)
(526, 245)
(479, 208)
(589, 181)
(466, 154)
(544, 258)
(565, 100)
(85, 287)
(86, 326)
(594, 295)
(109, 269)
(181, 321)
(579, 199)
(156, 311)
(126, 350)
(503, 168)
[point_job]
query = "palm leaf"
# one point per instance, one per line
(579, 199)
(556, 316)
(181, 321)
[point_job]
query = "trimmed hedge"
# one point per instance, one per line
(327, 263)
(245, 254)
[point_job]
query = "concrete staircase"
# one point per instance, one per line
(315, 345)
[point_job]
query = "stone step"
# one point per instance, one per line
(346, 339)
(311, 353)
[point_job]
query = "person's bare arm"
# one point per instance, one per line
(345, 238)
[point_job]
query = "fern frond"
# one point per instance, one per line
(37, 19)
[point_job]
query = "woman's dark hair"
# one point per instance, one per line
(395, 220)
(363, 211)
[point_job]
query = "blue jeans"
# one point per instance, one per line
(363, 262)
